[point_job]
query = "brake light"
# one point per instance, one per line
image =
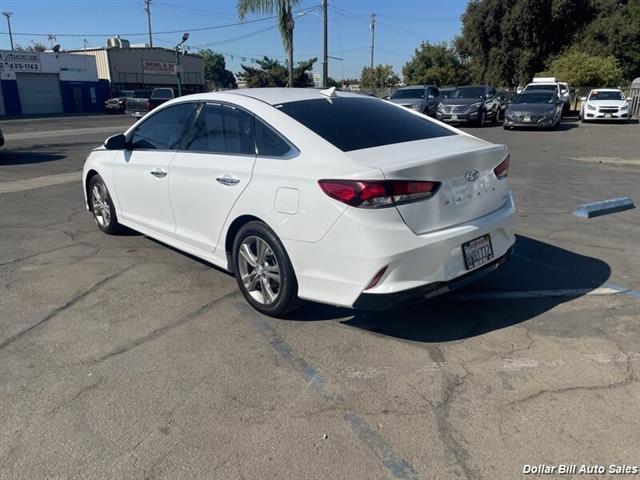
(377, 193)
(502, 170)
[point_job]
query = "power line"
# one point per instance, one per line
(182, 30)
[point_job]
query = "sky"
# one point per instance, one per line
(400, 27)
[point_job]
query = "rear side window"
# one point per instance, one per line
(163, 130)
(356, 123)
(269, 143)
(221, 129)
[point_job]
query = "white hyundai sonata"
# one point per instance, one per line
(333, 197)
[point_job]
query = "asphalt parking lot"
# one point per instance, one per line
(122, 358)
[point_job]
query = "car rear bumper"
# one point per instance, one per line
(370, 301)
(338, 269)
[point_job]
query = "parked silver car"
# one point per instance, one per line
(423, 98)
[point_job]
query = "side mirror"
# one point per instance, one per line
(116, 142)
(629, 99)
(583, 99)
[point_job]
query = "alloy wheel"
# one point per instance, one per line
(259, 270)
(100, 205)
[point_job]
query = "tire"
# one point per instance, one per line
(101, 206)
(482, 120)
(255, 240)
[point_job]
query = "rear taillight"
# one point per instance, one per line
(502, 170)
(377, 193)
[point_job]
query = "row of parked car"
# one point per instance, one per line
(540, 104)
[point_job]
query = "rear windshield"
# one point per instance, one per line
(357, 123)
(162, 93)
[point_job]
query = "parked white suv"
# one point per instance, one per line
(604, 104)
(333, 197)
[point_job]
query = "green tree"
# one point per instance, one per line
(215, 70)
(34, 47)
(283, 10)
(380, 76)
(435, 64)
(272, 73)
(508, 41)
(579, 68)
(616, 32)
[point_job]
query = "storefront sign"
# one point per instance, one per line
(158, 68)
(20, 61)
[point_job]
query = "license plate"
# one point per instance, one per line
(607, 115)
(477, 252)
(454, 117)
(527, 119)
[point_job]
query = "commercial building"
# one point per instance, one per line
(49, 83)
(128, 67)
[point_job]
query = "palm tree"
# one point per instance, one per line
(281, 8)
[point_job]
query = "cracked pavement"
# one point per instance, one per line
(123, 358)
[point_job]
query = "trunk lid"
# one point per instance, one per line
(452, 161)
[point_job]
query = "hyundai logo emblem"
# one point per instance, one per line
(471, 175)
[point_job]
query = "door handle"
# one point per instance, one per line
(159, 172)
(228, 180)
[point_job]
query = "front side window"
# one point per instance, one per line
(163, 130)
(352, 123)
(221, 129)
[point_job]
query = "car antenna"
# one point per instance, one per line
(329, 92)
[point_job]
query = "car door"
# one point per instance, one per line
(491, 102)
(210, 171)
(141, 172)
(432, 100)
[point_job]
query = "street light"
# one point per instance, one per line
(185, 37)
(8, 15)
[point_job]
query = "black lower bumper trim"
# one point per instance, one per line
(386, 301)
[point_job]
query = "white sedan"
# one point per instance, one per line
(604, 104)
(332, 197)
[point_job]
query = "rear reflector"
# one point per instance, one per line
(502, 170)
(376, 278)
(377, 193)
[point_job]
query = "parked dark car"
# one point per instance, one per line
(470, 104)
(118, 104)
(504, 97)
(534, 108)
(422, 98)
(1, 138)
(139, 107)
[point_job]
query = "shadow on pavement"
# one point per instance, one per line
(535, 266)
(12, 157)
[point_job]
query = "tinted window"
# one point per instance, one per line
(269, 143)
(221, 129)
(355, 123)
(162, 93)
(435, 92)
(163, 130)
(606, 96)
(534, 97)
(468, 92)
(409, 93)
(536, 86)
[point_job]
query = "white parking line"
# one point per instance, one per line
(38, 182)
(566, 292)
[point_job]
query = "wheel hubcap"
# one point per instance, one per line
(100, 205)
(259, 270)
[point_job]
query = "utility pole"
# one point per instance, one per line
(8, 15)
(325, 53)
(147, 8)
(372, 25)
